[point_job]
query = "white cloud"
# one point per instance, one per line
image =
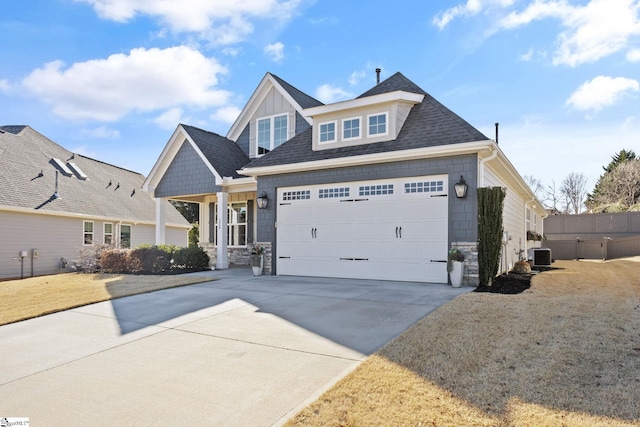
(101, 132)
(633, 55)
(528, 56)
(356, 76)
(593, 31)
(220, 21)
(601, 92)
(470, 8)
(275, 51)
(170, 118)
(226, 114)
(328, 94)
(143, 81)
(5, 87)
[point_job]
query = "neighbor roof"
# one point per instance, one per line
(223, 154)
(429, 124)
(28, 180)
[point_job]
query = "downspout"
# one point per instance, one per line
(493, 155)
(526, 241)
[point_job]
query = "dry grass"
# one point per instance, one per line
(565, 352)
(37, 296)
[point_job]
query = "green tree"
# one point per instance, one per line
(190, 211)
(490, 207)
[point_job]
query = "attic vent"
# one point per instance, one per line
(61, 166)
(76, 169)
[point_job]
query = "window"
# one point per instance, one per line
(330, 193)
(327, 132)
(125, 236)
(271, 132)
(88, 232)
(351, 129)
(375, 190)
(377, 124)
(107, 235)
(296, 195)
(424, 187)
(237, 224)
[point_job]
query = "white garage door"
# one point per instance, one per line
(389, 230)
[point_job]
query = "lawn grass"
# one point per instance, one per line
(566, 352)
(36, 296)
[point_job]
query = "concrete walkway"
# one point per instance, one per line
(238, 351)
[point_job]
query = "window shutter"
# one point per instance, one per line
(250, 238)
(253, 148)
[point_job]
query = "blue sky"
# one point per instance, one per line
(111, 79)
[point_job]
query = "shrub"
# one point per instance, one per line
(89, 261)
(194, 233)
(114, 261)
(193, 258)
(148, 260)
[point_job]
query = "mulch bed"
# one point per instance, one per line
(508, 283)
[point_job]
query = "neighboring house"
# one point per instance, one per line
(54, 203)
(362, 188)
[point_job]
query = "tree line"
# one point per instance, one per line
(617, 189)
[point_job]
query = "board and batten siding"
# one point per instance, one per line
(513, 222)
(57, 237)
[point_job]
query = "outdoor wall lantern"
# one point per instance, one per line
(263, 201)
(461, 188)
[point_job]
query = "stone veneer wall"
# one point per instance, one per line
(471, 276)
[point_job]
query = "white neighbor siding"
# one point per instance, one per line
(58, 237)
(513, 222)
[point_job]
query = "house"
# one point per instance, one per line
(55, 203)
(359, 189)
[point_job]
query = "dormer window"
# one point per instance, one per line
(351, 129)
(327, 132)
(377, 124)
(272, 131)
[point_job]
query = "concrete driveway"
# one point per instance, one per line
(241, 350)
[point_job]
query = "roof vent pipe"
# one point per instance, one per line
(497, 125)
(378, 75)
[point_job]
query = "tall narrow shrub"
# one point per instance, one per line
(490, 207)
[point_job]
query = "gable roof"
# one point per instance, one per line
(429, 124)
(224, 155)
(28, 181)
(298, 99)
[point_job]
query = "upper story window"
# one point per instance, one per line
(377, 124)
(327, 132)
(351, 128)
(272, 131)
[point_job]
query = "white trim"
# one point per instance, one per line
(398, 95)
(353, 138)
(386, 124)
(335, 132)
(254, 102)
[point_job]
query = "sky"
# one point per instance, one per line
(111, 79)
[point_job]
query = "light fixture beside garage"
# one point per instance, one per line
(461, 188)
(263, 201)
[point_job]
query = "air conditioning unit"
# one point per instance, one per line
(541, 257)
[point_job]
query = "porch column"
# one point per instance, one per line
(221, 253)
(160, 221)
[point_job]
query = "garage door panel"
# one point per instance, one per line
(386, 234)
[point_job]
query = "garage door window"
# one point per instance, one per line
(424, 187)
(330, 193)
(296, 195)
(375, 190)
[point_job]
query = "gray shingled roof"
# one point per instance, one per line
(26, 153)
(304, 100)
(225, 156)
(429, 124)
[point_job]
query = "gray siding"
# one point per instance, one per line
(301, 124)
(243, 140)
(58, 237)
(187, 174)
(462, 212)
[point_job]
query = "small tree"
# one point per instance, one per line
(573, 191)
(490, 207)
